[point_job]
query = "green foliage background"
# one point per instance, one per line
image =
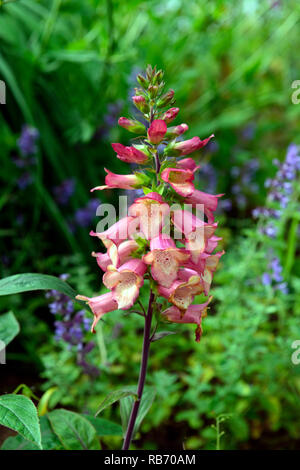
(231, 65)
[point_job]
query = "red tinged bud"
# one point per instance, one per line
(130, 154)
(170, 115)
(166, 99)
(186, 146)
(140, 102)
(132, 125)
(157, 131)
(176, 130)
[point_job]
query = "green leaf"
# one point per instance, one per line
(126, 406)
(18, 443)
(104, 427)
(115, 396)
(49, 440)
(73, 430)
(33, 281)
(9, 327)
(162, 334)
(19, 413)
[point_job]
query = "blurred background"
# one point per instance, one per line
(69, 68)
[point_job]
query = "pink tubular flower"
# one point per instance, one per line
(170, 115)
(196, 232)
(115, 255)
(99, 305)
(187, 164)
(157, 131)
(181, 293)
(113, 180)
(151, 211)
(165, 259)
(132, 125)
(125, 282)
(122, 230)
(186, 146)
(180, 180)
(205, 267)
(130, 154)
(210, 202)
(193, 314)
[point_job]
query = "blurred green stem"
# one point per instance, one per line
(291, 247)
(101, 344)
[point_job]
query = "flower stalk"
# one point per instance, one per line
(144, 244)
(142, 376)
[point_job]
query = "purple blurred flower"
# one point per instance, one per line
(64, 191)
(24, 181)
(70, 327)
(274, 277)
(27, 140)
(85, 215)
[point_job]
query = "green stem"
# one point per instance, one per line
(291, 247)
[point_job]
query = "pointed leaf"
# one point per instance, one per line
(73, 430)
(104, 427)
(115, 396)
(126, 406)
(162, 334)
(34, 281)
(9, 327)
(19, 413)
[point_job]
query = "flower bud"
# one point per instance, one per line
(132, 125)
(142, 81)
(186, 146)
(150, 71)
(157, 131)
(152, 89)
(175, 131)
(140, 102)
(170, 115)
(158, 77)
(167, 98)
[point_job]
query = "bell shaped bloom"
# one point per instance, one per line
(179, 180)
(210, 202)
(193, 314)
(113, 180)
(165, 259)
(182, 293)
(132, 125)
(115, 255)
(170, 115)
(130, 154)
(157, 131)
(125, 282)
(119, 232)
(187, 164)
(99, 305)
(212, 243)
(151, 211)
(176, 131)
(186, 147)
(205, 267)
(196, 232)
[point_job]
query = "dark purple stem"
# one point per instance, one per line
(142, 376)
